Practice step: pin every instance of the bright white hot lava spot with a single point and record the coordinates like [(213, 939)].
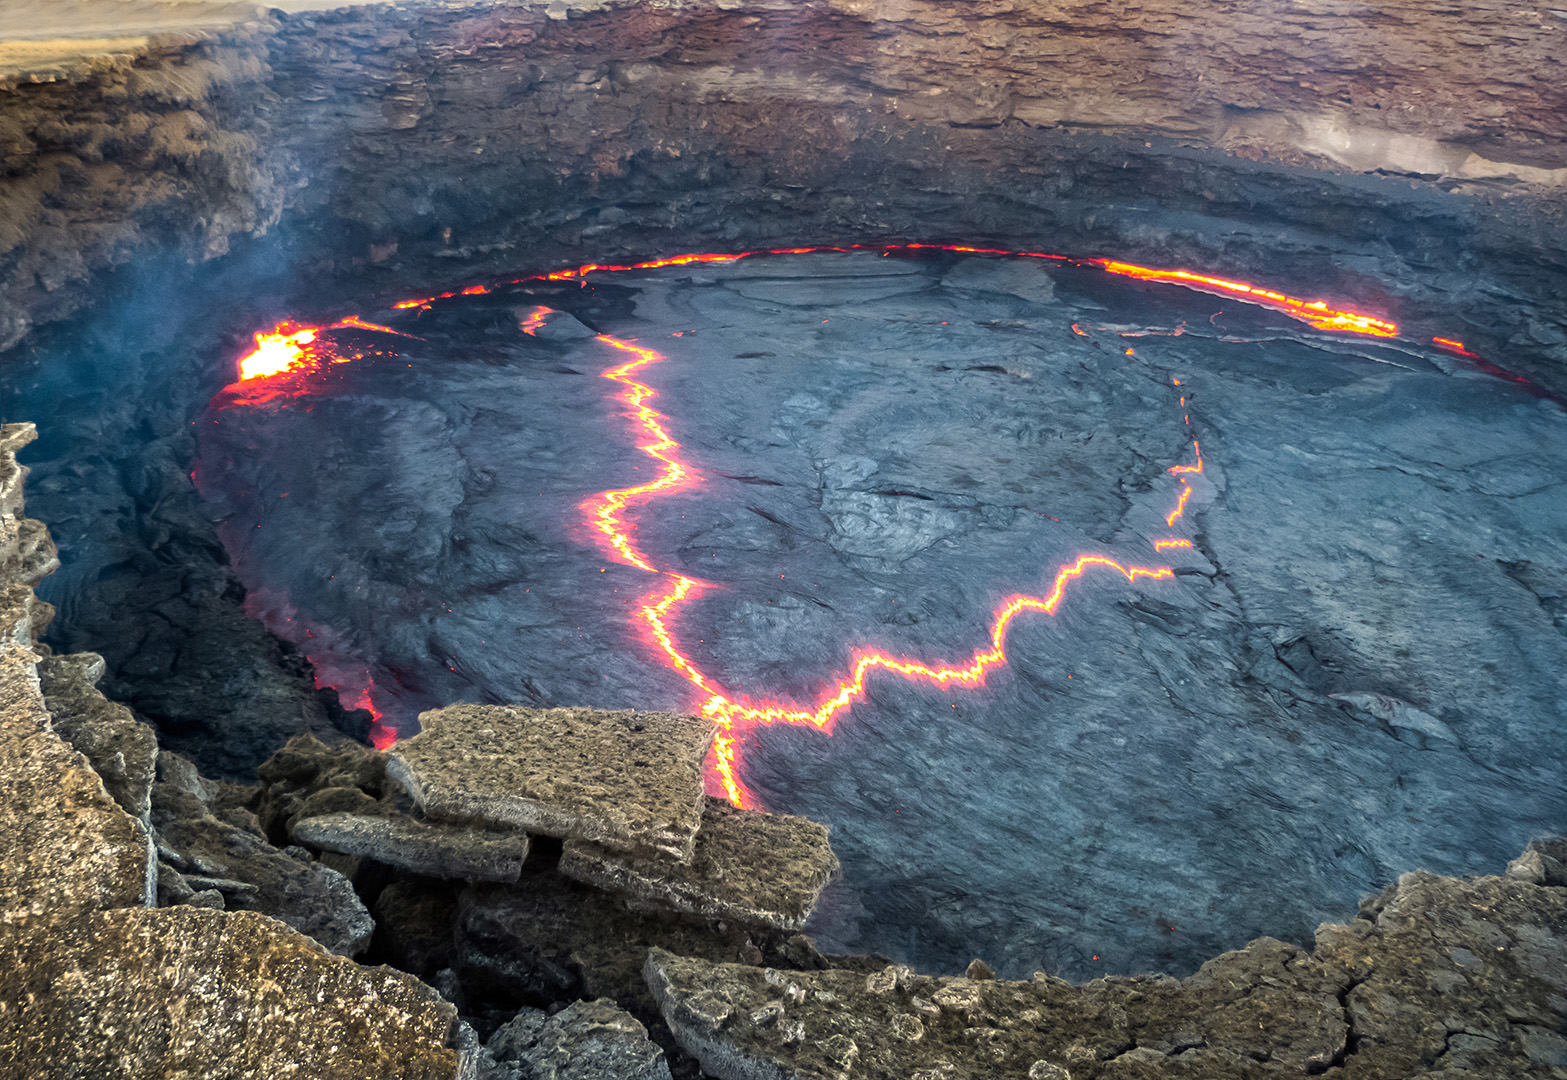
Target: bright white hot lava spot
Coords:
[(1112, 616)]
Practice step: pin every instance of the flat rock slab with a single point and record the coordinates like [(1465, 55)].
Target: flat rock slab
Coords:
[(628, 780), (187, 992), (754, 868), (452, 852)]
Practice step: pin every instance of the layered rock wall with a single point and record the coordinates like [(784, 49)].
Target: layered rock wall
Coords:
[(1396, 148)]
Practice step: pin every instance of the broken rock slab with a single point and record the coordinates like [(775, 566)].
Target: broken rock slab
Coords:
[(1459, 978), (749, 867), (452, 852), (142, 994), (627, 780), (587, 1040), (204, 854), (122, 750)]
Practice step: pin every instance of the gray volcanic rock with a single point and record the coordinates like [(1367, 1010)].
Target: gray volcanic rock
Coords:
[(123, 750), (1439, 976), (308, 777), (550, 938), (142, 995), (434, 850), (211, 854), (615, 777), (1026, 281), (754, 868), (587, 1040)]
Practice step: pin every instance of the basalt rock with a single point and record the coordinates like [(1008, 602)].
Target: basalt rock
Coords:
[(748, 867), (1459, 978), (65, 846), (549, 938), (205, 854), (92, 983), (587, 1040), (308, 777), (629, 780)]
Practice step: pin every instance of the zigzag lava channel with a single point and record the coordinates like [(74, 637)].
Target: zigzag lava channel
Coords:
[(733, 712), (291, 348)]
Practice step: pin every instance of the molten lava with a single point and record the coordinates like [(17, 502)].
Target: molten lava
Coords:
[(290, 350), (1313, 312)]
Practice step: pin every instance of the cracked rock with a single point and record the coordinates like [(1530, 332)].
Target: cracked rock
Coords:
[(753, 868), (438, 851), (123, 751), (587, 1040), (629, 780)]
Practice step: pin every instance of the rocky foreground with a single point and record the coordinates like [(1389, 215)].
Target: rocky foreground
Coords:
[(555, 882)]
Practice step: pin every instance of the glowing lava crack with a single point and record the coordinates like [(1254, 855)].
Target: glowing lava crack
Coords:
[(284, 359), (734, 712)]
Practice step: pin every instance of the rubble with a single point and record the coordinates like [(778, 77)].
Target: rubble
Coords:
[(587, 1040), (1463, 978)]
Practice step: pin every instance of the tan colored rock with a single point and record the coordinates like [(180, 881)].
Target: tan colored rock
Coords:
[(146, 995), (628, 780), (122, 750), (753, 868), (65, 847), (433, 850), (1468, 973)]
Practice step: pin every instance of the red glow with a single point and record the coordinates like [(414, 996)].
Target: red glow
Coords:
[(1196, 449), (1314, 312), (291, 349), (1457, 348)]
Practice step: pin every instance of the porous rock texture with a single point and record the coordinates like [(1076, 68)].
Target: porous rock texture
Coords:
[(210, 843), (631, 780), (122, 750), (92, 982), (753, 868), (587, 1040), (439, 851), (1458, 978), (186, 992)]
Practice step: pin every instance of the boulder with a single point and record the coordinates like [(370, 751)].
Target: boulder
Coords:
[(587, 1040), (627, 780), (122, 750), (432, 850), (753, 868)]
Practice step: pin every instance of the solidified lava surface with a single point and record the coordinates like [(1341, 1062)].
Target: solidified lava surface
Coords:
[(1344, 657)]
